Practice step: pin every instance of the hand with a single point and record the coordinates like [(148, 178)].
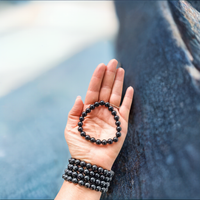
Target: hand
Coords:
[(106, 84)]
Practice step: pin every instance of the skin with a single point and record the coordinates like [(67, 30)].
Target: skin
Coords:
[(106, 84)]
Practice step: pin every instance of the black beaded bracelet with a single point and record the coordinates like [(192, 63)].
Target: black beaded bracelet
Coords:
[(98, 141), (90, 176)]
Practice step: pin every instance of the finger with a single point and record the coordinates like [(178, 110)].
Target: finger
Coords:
[(75, 112), (95, 84), (108, 80), (116, 93), (126, 104)]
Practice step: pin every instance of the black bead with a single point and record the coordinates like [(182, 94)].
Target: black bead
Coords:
[(87, 137), (80, 169), (92, 173), (105, 172), (88, 165), (102, 102), (110, 178), (81, 183), (83, 134), (84, 114), (107, 179), (92, 107), (87, 110), (100, 170), (71, 160), (80, 129), (109, 174), (97, 175), (110, 108), (104, 142), (75, 168), (107, 104), (115, 139), (117, 123), (80, 176), (118, 134), (116, 117), (92, 180), (118, 128), (106, 190), (86, 171), (81, 118), (109, 141), (103, 183), (114, 112), (103, 189), (66, 171), (77, 162), (74, 174), (69, 178), (93, 187), (102, 177), (74, 180), (87, 185), (64, 177), (107, 184), (98, 188), (98, 141), (94, 167), (70, 166), (82, 163), (96, 104), (69, 173), (86, 178), (112, 173), (80, 124), (98, 182), (93, 140)]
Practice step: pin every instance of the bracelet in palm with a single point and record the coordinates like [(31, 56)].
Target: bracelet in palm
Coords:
[(92, 139)]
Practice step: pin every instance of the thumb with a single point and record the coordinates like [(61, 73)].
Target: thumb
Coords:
[(75, 112)]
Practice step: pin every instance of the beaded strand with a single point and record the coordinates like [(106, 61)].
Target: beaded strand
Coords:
[(98, 141), (88, 175)]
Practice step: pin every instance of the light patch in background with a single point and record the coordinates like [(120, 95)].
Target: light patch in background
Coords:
[(37, 36), (193, 72)]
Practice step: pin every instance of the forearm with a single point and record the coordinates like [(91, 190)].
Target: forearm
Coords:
[(71, 191), (105, 89)]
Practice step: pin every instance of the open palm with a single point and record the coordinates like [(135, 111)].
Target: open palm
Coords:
[(106, 84)]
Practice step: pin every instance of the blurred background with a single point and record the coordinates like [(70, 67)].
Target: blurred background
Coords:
[(48, 52)]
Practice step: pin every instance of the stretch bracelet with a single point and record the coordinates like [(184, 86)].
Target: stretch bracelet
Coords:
[(98, 141), (88, 175)]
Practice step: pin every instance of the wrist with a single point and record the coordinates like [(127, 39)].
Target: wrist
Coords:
[(100, 160), (74, 191), (87, 175)]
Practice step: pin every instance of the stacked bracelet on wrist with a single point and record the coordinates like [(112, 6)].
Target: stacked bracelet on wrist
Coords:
[(90, 176)]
